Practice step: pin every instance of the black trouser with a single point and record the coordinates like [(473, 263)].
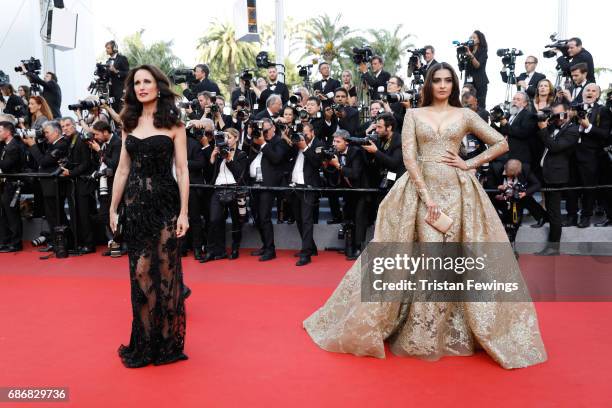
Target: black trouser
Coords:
[(195, 217), (355, 212), (81, 213), (218, 215), (303, 205), (104, 214), (481, 94), (534, 208), (52, 211), (333, 198), (553, 208), (11, 228), (207, 194), (261, 206), (583, 171)]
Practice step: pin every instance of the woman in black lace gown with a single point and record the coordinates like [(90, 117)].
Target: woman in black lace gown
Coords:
[(156, 216)]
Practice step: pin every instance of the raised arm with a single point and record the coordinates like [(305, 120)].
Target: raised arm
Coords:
[(409, 153), (496, 142)]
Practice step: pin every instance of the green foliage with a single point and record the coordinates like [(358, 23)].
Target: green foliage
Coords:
[(159, 53), (390, 45)]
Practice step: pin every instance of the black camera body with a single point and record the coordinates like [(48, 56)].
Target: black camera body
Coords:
[(36, 134), (512, 191), (32, 65), (508, 56), (397, 97), (304, 70), (497, 113), (462, 49), (262, 60), (560, 45), (363, 141), (90, 104), (326, 153), (183, 75), (362, 55), (581, 110), (544, 115)]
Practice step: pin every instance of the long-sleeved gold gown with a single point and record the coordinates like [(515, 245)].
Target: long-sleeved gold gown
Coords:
[(508, 331)]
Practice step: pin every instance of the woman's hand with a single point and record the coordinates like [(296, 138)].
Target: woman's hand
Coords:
[(114, 219), (453, 159), (433, 212), (182, 225)]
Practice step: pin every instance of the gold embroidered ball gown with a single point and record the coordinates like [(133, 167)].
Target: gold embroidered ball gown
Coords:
[(507, 331)]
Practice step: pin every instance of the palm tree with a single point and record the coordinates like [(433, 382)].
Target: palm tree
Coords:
[(390, 45), (224, 55), (159, 53)]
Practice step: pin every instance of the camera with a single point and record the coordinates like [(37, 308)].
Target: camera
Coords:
[(337, 107), (32, 65), (296, 137), (413, 62), (90, 104), (508, 56), (262, 60), (303, 114), (304, 70), (294, 100), (362, 55), (326, 153), (544, 115), (193, 104), (462, 49), (182, 75), (4, 78), (581, 110), (107, 172), (256, 127), (363, 141), (396, 97), (513, 190), (37, 134), (87, 136), (497, 113), (560, 45), (247, 76)]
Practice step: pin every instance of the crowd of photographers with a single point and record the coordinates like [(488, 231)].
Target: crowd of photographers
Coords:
[(286, 145)]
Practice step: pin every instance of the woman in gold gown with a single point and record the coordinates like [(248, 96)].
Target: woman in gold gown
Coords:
[(437, 179)]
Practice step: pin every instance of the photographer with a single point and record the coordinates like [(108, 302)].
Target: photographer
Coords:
[(369, 126), (516, 184), (377, 80), (430, 59), (520, 128), (274, 104), (579, 82), (348, 167), (593, 120), (325, 88), (108, 148), (266, 159), (347, 117), (51, 90), (13, 104), (395, 85), (323, 125), (118, 67), (80, 162), (275, 87), (385, 155), (229, 165), (476, 70), (210, 110), (49, 162), (247, 90), (202, 84), (528, 80), (574, 54), (95, 114), (196, 163), (12, 160), (305, 165), (560, 137)]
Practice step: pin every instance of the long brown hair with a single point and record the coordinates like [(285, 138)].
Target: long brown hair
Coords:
[(427, 91), (551, 94), (167, 114), (45, 110)]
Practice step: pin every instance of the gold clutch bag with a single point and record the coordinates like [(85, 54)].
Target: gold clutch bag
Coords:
[(442, 224)]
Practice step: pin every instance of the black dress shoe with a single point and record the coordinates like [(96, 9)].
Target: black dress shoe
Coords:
[(2, 246), (313, 253), (11, 248), (539, 224), (548, 251), (605, 223), (267, 256), (354, 255), (186, 291), (257, 252), (213, 257), (235, 254), (197, 254), (334, 221), (570, 222), (585, 222), (86, 249), (304, 260)]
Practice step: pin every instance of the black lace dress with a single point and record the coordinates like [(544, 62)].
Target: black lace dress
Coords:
[(152, 206)]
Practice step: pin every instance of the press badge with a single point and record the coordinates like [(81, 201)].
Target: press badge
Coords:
[(391, 176), (469, 79)]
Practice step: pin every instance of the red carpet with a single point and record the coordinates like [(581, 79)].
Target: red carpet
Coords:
[(62, 321)]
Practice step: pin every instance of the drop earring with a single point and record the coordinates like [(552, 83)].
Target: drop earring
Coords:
[(158, 94)]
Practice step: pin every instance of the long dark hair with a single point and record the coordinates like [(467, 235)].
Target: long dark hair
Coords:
[(167, 114), (482, 41), (427, 90)]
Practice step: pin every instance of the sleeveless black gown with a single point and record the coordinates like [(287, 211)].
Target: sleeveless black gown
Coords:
[(152, 206)]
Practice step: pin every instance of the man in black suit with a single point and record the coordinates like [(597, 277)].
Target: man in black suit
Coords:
[(519, 128), (274, 104), (349, 167), (560, 137), (108, 148), (80, 163), (49, 162), (266, 160), (575, 54), (369, 126), (528, 80), (346, 116), (119, 67), (325, 88), (202, 84), (396, 85), (12, 159), (274, 87), (579, 82), (594, 131), (377, 80), (430, 59), (51, 90), (196, 163), (323, 124), (305, 160)]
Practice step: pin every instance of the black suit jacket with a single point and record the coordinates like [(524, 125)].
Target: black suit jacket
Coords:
[(330, 86), (205, 85), (312, 163), (48, 163), (323, 131), (532, 86), (15, 106), (495, 177), (520, 132), (600, 119), (12, 160), (273, 160), (117, 79), (51, 92), (425, 68), (82, 163), (279, 89), (196, 161), (237, 166), (208, 169), (374, 82), (350, 121), (566, 62), (389, 158), (353, 173), (479, 75), (556, 168), (111, 154)]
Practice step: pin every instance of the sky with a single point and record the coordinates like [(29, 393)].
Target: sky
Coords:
[(525, 25)]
